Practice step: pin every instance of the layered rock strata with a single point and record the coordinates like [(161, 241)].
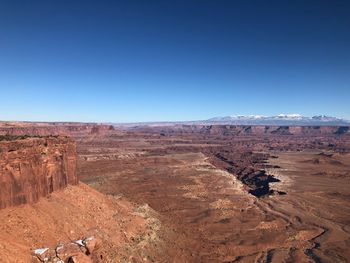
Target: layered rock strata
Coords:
[(35, 167), (47, 129)]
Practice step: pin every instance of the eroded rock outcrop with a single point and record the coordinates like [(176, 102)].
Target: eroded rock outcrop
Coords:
[(52, 128), (78, 251), (248, 167), (246, 130), (34, 167)]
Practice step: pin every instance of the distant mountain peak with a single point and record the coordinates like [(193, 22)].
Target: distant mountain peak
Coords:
[(290, 116), (280, 119)]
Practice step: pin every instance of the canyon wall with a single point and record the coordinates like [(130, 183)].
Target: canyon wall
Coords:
[(45, 129), (239, 130), (78, 130), (34, 167)]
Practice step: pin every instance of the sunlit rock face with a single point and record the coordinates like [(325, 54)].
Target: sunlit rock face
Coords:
[(47, 129), (35, 167)]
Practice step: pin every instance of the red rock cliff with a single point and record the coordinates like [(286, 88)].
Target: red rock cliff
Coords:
[(46, 129), (35, 167)]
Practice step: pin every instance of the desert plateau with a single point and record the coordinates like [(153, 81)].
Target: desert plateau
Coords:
[(182, 193)]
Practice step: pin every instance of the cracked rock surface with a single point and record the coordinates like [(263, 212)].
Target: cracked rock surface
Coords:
[(78, 251)]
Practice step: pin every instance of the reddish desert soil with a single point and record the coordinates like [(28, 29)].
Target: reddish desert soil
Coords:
[(206, 199), (128, 232)]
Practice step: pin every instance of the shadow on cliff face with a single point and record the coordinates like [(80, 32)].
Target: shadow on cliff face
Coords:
[(342, 130), (248, 171)]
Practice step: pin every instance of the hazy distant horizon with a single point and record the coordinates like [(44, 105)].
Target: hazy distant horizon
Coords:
[(159, 121)]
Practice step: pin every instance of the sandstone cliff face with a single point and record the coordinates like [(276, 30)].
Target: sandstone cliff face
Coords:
[(35, 167), (242, 130), (46, 129)]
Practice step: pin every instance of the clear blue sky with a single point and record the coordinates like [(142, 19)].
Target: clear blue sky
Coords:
[(123, 61)]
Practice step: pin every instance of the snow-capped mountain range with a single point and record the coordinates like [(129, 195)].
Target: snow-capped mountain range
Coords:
[(281, 119)]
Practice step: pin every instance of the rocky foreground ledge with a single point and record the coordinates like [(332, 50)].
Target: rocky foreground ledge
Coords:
[(78, 251)]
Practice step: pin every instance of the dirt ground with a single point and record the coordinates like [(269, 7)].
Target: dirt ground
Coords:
[(128, 232), (211, 213)]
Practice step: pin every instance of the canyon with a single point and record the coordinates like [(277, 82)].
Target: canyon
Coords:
[(176, 193)]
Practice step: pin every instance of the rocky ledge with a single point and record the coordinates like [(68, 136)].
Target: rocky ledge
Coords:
[(78, 251)]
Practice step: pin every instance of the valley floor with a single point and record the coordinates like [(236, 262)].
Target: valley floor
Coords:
[(211, 214)]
